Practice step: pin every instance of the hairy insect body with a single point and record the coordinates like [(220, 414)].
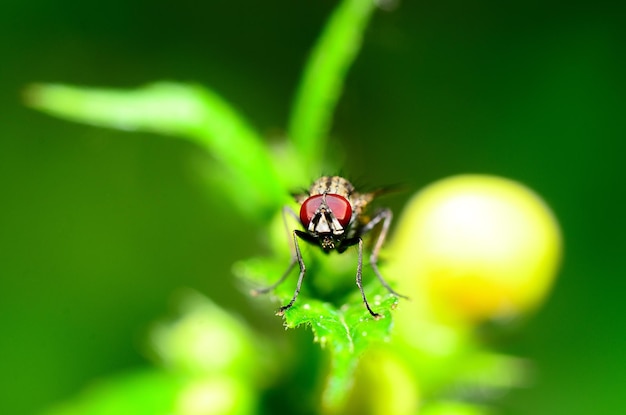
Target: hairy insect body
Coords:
[(332, 214)]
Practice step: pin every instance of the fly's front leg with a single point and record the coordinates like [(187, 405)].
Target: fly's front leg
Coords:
[(385, 216), (359, 283), (281, 311), (264, 290)]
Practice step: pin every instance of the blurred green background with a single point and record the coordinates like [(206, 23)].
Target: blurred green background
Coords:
[(98, 228)]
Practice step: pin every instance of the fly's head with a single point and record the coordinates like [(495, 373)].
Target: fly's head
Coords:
[(332, 211), (327, 218)]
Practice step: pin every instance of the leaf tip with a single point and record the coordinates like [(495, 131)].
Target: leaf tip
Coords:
[(31, 94)]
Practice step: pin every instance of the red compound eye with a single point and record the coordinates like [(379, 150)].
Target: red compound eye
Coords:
[(337, 204)]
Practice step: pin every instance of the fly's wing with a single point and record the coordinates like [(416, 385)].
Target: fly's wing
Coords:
[(363, 200)]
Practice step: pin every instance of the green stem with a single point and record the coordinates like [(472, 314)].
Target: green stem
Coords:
[(245, 164), (324, 74), (339, 381)]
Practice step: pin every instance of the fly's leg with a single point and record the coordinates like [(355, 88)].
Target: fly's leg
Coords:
[(281, 311), (359, 283), (385, 216), (264, 290)]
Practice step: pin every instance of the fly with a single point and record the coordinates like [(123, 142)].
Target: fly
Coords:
[(332, 214)]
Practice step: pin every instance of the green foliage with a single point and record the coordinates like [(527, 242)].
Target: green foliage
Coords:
[(187, 111), (348, 331), (336, 315), (205, 365), (323, 78), (208, 362), (201, 115), (144, 392)]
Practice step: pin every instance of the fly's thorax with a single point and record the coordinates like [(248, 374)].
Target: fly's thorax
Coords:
[(333, 185), (359, 202)]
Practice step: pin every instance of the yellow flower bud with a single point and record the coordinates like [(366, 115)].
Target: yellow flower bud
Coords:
[(476, 247)]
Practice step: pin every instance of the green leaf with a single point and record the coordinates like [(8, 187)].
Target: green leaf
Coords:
[(345, 328), (187, 111), (485, 373), (211, 363), (206, 340), (146, 392), (347, 331), (156, 392), (323, 78), (454, 408)]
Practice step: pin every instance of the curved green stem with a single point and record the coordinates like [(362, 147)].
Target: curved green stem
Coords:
[(324, 74)]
